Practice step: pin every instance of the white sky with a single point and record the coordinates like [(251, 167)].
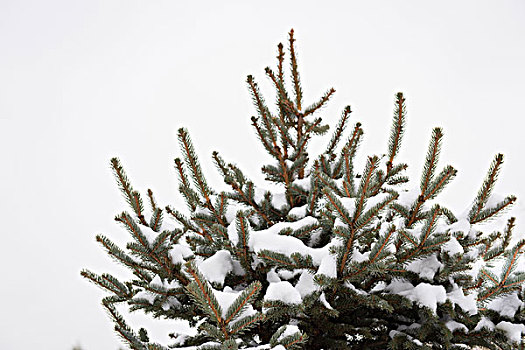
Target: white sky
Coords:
[(82, 81)]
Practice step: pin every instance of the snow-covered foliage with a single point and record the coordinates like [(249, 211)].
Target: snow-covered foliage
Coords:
[(330, 258)]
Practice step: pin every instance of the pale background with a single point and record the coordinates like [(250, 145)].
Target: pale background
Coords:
[(82, 81)]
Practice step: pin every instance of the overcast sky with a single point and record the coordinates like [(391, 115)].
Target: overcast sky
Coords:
[(82, 81)]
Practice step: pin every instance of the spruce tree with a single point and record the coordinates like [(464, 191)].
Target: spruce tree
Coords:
[(331, 257)]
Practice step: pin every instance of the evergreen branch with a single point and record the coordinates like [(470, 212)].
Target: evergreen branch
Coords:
[(133, 228), (319, 104), (118, 254), (283, 132), (508, 232), (247, 322), (347, 250), (152, 200), (338, 132), (295, 71), (364, 219), (156, 220), (196, 172), (486, 187), (280, 60), (132, 196), (510, 265), (354, 140), (244, 236), (107, 282), (262, 109), (431, 159), (181, 173), (343, 214), (397, 130), (427, 230), (328, 183), (302, 141), (146, 255), (251, 202), (188, 225), (375, 252), (381, 244), (492, 212), (203, 294), (122, 328), (191, 197), (284, 100), (293, 341), (221, 166), (430, 224), (408, 237), (246, 297), (489, 275), (446, 175), (160, 240), (399, 209), (296, 261), (262, 137), (314, 182), (364, 186)]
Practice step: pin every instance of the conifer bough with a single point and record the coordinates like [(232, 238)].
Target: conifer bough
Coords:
[(334, 258)]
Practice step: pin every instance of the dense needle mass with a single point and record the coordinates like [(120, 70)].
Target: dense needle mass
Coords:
[(328, 257)]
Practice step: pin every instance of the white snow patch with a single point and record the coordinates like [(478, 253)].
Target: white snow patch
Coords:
[(232, 209), (328, 266), (485, 322), (323, 300), (306, 284), (149, 233), (172, 301), (398, 285), (216, 267), (278, 198), (156, 281), (298, 212), (372, 201), (289, 330), (272, 276), (283, 291), (233, 236), (150, 297), (271, 239), (381, 285), (466, 302), (304, 183), (453, 325), (287, 274), (202, 210), (394, 333), (462, 225), (452, 247), (407, 198), (506, 305), (227, 297), (426, 267), (352, 287), (348, 203), (357, 256), (423, 294), (514, 331), (179, 252)]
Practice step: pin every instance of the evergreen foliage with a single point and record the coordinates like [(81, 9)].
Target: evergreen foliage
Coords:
[(336, 258)]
